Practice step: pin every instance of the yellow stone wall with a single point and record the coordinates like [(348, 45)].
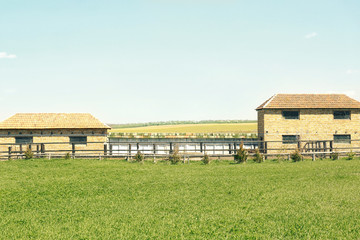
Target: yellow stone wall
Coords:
[(314, 124), (60, 140)]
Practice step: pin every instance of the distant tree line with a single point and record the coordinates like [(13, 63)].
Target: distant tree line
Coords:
[(134, 125)]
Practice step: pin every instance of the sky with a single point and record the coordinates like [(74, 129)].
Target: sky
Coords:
[(160, 60)]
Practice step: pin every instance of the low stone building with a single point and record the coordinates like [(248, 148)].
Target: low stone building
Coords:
[(311, 122), (57, 132)]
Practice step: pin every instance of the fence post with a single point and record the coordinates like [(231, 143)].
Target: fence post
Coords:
[(313, 156), (37, 150), (110, 149), (331, 146), (105, 150), (266, 149), (171, 148), (129, 149), (21, 150), (9, 152), (201, 147), (73, 149)]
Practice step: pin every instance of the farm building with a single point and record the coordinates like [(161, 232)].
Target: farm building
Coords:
[(53, 131), (311, 122)]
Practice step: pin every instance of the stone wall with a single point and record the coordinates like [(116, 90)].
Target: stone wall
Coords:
[(59, 139), (314, 124)]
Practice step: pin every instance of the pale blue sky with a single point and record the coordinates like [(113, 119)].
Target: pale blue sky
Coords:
[(158, 60)]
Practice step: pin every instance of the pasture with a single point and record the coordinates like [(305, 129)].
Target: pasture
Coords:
[(193, 128), (115, 199)]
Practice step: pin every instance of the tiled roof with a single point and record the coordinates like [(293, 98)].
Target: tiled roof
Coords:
[(52, 121), (301, 101)]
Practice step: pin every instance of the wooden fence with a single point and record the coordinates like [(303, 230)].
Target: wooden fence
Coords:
[(194, 149)]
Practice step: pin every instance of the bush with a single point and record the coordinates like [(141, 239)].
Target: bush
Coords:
[(350, 155), (205, 159), (241, 154), (258, 157), (67, 156), (175, 157), (29, 154), (139, 157), (296, 156), (334, 156)]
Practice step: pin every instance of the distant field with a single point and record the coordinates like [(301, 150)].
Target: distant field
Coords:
[(193, 128), (115, 199)]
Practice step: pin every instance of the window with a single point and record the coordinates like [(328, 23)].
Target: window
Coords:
[(342, 114), (291, 114), (78, 140), (342, 139), (290, 139), (23, 140)]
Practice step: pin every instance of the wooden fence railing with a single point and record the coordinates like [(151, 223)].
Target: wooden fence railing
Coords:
[(189, 150)]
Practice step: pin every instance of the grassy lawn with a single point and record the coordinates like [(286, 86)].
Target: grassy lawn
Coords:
[(193, 128), (113, 199)]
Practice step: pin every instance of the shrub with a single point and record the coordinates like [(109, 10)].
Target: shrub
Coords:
[(350, 155), (67, 156), (139, 157), (334, 156), (29, 154), (296, 156), (205, 159), (258, 157), (175, 157), (241, 154)]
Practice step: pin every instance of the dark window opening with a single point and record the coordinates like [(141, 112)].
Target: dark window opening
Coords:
[(23, 140), (291, 114), (342, 138), (290, 139), (78, 140), (342, 114)]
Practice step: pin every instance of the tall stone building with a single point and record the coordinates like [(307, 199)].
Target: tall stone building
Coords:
[(60, 131), (319, 121)]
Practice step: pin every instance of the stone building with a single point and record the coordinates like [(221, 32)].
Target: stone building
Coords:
[(311, 122), (53, 131)]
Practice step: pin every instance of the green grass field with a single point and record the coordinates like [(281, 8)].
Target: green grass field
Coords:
[(193, 128), (114, 199)]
